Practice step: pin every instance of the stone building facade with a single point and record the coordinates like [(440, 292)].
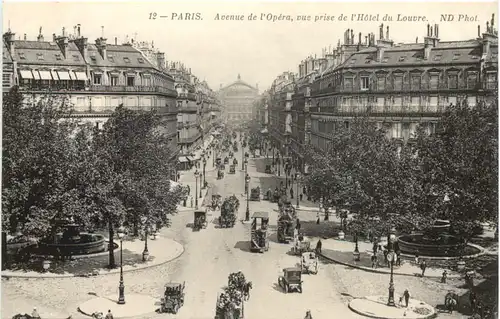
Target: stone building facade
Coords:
[(238, 98)]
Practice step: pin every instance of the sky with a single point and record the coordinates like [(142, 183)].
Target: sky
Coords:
[(259, 50)]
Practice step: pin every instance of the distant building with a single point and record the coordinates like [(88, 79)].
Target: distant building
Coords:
[(95, 77), (238, 98)]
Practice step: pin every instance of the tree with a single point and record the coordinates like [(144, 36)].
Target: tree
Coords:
[(459, 165), (37, 154)]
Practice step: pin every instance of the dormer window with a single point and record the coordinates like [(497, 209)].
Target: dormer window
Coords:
[(140, 60), (474, 57), (437, 57), (384, 60), (39, 56), (111, 58), (402, 58), (93, 57), (456, 56), (368, 60), (76, 58), (127, 60), (22, 56), (58, 57)]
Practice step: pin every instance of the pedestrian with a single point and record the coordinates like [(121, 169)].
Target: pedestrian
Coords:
[(444, 277), (178, 176), (291, 193), (109, 315), (374, 261), (417, 260), (189, 189), (423, 267), (304, 190), (191, 198), (375, 247), (34, 314), (386, 252), (398, 257), (308, 315), (298, 224), (319, 244), (317, 218), (406, 295)]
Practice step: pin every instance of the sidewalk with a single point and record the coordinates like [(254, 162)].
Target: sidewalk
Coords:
[(162, 250), (376, 307), (341, 252)]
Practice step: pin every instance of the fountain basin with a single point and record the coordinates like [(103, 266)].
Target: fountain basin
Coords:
[(443, 245), (85, 245)]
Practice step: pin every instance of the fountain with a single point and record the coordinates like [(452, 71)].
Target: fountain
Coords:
[(436, 242), (71, 241)]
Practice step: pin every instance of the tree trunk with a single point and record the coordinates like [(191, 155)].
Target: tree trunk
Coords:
[(4, 250), (111, 247)]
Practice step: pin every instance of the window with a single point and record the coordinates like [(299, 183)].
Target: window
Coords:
[(365, 83), (396, 130), (491, 80), (93, 58), (437, 57), (433, 103), (368, 60), (76, 58), (113, 80), (58, 57), (471, 101), (140, 60), (381, 83), (380, 104), (415, 103), (398, 102), (39, 56), (453, 81), (398, 82), (415, 82), (130, 80), (146, 81), (348, 84), (97, 79), (471, 80), (111, 58), (127, 60), (22, 56), (433, 81)]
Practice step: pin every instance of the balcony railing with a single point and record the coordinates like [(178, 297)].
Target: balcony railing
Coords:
[(132, 89)]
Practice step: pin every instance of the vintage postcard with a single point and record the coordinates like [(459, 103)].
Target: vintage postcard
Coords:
[(259, 160)]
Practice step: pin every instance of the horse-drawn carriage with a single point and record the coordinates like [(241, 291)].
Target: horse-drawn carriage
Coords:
[(220, 173), (309, 263), (200, 219), (228, 211), (232, 169), (226, 160), (302, 245), (235, 161), (216, 201), (451, 301), (255, 194), (268, 169), (173, 297), (291, 279), (231, 154)]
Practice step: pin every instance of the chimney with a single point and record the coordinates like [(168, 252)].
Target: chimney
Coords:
[(83, 47), (62, 42), (384, 42), (352, 36), (489, 36), (431, 40), (160, 57), (381, 30), (102, 47), (478, 31), (359, 41), (78, 33), (416, 40), (53, 37), (25, 37), (9, 39), (116, 41), (387, 33), (366, 40)]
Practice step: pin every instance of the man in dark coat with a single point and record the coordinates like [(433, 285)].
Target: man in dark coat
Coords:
[(406, 295)]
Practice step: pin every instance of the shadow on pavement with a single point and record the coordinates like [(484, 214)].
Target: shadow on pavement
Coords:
[(278, 288), (325, 229), (243, 245)]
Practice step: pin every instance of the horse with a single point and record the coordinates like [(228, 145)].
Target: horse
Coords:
[(246, 290), (451, 301)]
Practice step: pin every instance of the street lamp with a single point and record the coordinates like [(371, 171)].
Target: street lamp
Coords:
[(121, 286), (145, 253), (391, 258), (201, 175), (196, 174), (247, 212), (204, 166), (297, 176), (279, 168)]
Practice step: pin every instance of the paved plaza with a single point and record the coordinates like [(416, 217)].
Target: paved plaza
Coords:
[(208, 258)]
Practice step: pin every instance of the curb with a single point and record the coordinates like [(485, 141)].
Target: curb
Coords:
[(111, 272), (381, 271), (434, 315)]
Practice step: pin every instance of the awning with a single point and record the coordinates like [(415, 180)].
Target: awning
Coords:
[(26, 74), (63, 75), (54, 75), (81, 76), (45, 75), (36, 75), (183, 159), (189, 158)]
